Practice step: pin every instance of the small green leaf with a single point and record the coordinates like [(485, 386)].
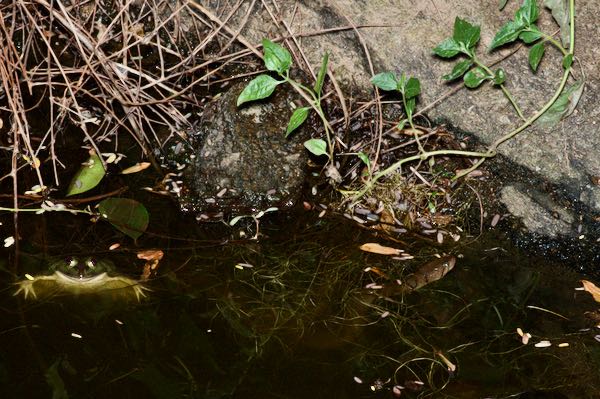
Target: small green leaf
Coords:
[(412, 88), (507, 33), (567, 61), (531, 35), (499, 76), (563, 106), (297, 119), (448, 48), (365, 159), (317, 147), (385, 81), (459, 70), (528, 13), (276, 58), (260, 87), (126, 215), (536, 53), (561, 14), (475, 77), (466, 33), (321, 76), (88, 176)]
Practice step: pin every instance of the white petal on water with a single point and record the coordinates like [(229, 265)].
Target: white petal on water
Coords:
[(543, 344), (8, 241)]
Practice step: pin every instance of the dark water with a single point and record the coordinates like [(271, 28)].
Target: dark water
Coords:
[(298, 323)]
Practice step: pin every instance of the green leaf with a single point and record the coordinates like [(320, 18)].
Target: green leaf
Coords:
[(563, 106), (412, 88), (448, 48), (499, 76), (317, 147), (321, 76), (459, 70), (126, 215), (365, 159), (560, 13), (507, 33), (528, 13), (475, 77), (88, 176), (530, 35), (297, 119), (385, 81), (276, 58), (536, 53), (567, 61), (466, 33), (260, 87)]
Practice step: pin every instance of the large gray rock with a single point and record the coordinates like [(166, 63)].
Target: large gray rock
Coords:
[(242, 162), (565, 157)]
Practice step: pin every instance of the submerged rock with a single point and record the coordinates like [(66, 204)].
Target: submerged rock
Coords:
[(242, 162)]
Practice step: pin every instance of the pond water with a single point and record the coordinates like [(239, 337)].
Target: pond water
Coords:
[(289, 317)]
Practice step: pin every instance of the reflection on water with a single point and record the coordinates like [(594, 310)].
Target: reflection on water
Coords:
[(289, 317)]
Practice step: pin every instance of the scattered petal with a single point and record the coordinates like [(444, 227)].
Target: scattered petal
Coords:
[(8, 241), (592, 289), (543, 344), (114, 246), (563, 344), (138, 167), (380, 249), (75, 335)]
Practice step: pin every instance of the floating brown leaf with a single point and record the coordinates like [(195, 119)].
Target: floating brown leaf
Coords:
[(380, 249), (138, 167), (592, 289)]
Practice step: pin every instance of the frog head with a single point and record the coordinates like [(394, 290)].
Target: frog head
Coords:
[(81, 268)]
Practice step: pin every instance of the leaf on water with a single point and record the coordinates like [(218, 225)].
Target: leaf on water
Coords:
[(466, 33), (317, 147), (560, 12), (592, 289), (507, 33), (563, 106), (475, 77), (276, 57), (126, 215), (321, 76), (448, 48), (297, 119), (138, 167), (459, 70), (536, 53), (260, 87), (88, 176), (385, 81), (380, 249)]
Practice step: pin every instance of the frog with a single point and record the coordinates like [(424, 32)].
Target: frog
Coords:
[(80, 276)]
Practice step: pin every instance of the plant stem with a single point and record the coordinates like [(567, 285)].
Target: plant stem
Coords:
[(555, 43), (502, 87)]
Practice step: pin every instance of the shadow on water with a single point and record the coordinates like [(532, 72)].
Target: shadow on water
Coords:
[(290, 317)]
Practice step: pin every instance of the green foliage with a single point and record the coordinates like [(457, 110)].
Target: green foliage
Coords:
[(536, 53), (89, 175), (126, 215), (260, 87), (277, 59), (563, 106), (460, 68), (297, 119), (317, 147), (408, 87), (560, 13), (475, 77)]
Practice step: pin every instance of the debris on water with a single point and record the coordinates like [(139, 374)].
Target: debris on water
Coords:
[(358, 380), (380, 249), (495, 220), (543, 344)]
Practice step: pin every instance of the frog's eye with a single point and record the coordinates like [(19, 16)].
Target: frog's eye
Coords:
[(91, 263), (71, 261)]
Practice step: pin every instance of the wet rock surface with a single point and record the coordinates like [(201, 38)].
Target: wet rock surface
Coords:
[(241, 160), (400, 35)]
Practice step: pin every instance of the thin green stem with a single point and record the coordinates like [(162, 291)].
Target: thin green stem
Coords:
[(502, 87), (555, 43)]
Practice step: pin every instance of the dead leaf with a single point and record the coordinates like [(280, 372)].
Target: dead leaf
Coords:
[(592, 289), (138, 167), (380, 249), (152, 257)]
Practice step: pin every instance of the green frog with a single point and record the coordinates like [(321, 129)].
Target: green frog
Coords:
[(80, 276)]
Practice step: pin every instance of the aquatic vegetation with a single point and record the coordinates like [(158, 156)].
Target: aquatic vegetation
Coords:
[(80, 277)]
